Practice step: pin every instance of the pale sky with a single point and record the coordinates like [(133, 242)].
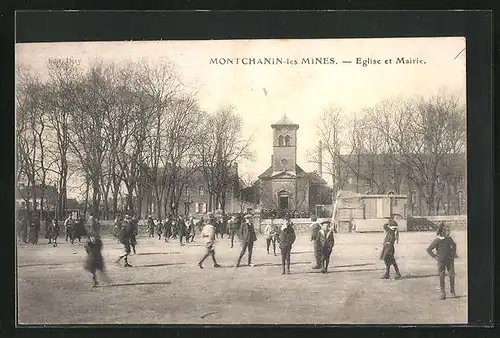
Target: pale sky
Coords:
[(263, 93)]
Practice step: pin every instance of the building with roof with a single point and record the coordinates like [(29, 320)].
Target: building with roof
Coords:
[(285, 186)]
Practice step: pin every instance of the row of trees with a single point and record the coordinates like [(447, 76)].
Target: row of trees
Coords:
[(124, 130), (418, 143)]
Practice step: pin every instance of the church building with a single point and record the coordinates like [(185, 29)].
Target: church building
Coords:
[(285, 185)]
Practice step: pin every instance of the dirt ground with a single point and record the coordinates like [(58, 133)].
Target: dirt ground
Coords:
[(165, 285)]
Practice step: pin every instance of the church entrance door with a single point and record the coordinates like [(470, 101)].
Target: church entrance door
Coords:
[(283, 202)]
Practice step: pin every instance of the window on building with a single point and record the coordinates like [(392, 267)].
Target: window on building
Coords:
[(187, 191), (350, 180), (201, 190), (288, 140), (281, 140), (203, 208), (197, 208)]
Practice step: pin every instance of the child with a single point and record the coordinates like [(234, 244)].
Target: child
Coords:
[(388, 251), (326, 243), (287, 237), (159, 229), (54, 231), (446, 252), (271, 234), (94, 260), (125, 238)]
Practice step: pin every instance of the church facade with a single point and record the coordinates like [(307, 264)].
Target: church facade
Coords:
[(285, 185)]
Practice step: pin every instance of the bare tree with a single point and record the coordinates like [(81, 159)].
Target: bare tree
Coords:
[(424, 133), (92, 102), (222, 147)]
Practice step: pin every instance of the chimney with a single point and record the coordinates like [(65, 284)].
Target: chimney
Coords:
[(320, 159)]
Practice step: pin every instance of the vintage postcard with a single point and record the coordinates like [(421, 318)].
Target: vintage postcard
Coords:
[(316, 181)]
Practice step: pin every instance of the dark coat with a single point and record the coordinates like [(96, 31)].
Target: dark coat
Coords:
[(181, 226), (287, 237), (94, 260), (388, 245), (247, 233), (326, 240), (127, 232)]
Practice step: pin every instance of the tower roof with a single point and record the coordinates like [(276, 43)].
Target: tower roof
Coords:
[(285, 121)]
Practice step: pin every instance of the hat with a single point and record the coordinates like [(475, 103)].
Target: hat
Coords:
[(393, 225), (247, 216), (326, 222), (314, 218)]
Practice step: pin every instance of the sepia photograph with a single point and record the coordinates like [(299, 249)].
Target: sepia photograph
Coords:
[(265, 181)]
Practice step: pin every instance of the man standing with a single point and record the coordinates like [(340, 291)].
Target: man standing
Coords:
[(181, 226), (315, 227), (151, 226), (208, 233), (69, 224), (191, 231), (388, 251), (233, 228), (248, 237), (326, 242), (287, 238)]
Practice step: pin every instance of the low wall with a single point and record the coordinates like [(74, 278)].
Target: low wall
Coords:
[(299, 224), (431, 223), (377, 225)]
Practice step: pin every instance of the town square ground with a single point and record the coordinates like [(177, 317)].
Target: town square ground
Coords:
[(165, 285)]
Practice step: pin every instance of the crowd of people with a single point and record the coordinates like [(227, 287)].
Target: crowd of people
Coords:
[(283, 214), (277, 232)]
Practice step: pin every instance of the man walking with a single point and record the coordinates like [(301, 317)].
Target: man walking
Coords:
[(208, 233), (248, 237)]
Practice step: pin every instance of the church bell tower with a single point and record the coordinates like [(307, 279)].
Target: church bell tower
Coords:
[(284, 146)]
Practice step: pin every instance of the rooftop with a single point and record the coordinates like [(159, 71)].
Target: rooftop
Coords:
[(284, 121)]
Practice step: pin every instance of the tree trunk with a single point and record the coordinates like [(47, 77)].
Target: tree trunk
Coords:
[(115, 203), (158, 208), (86, 197), (96, 198)]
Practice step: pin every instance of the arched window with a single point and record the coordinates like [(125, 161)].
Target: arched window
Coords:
[(391, 193), (281, 140), (288, 140), (201, 190)]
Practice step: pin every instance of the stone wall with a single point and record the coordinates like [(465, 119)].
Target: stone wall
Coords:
[(430, 223)]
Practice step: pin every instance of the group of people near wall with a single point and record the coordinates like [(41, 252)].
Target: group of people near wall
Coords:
[(276, 233)]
